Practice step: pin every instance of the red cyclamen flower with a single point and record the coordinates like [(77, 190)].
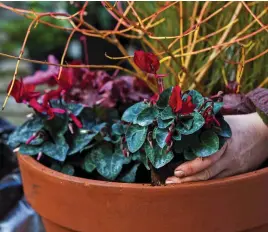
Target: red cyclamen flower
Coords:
[(146, 61), (76, 121), (210, 118), (187, 106), (66, 80), (154, 98), (45, 108), (175, 100), (22, 92), (52, 94), (178, 105)]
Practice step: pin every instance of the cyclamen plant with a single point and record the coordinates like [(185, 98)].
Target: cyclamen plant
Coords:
[(170, 127)]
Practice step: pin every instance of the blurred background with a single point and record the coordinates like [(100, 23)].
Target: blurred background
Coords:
[(45, 41)]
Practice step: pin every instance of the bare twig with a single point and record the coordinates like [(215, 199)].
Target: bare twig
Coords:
[(188, 58), (70, 65), (70, 37), (240, 68), (216, 52), (18, 60), (254, 16), (265, 82)]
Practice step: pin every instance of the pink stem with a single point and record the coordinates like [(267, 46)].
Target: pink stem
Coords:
[(39, 156), (160, 84), (114, 15), (83, 39), (31, 138), (119, 7)]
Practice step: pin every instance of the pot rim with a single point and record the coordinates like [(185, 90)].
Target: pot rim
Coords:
[(87, 182)]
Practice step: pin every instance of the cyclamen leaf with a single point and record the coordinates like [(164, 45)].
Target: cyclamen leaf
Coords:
[(217, 107), (209, 144), (188, 123), (88, 164), (130, 176), (113, 139), (198, 122), (189, 155), (135, 137), (25, 131), (68, 169), (55, 166), (160, 136), (141, 157), (29, 149), (75, 108), (225, 129), (158, 157), (79, 141), (88, 118), (164, 123), (187, 141), (147, 116), (108, 115), (154, 132), (57, 150), (167, 113), (117, 129), (164, 98), (197, 98), (58, 125), (38, 140), (177, 136), (99, 127), (47, 148), (131, 114), (109, 164)]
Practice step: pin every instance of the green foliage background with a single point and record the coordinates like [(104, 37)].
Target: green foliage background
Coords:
[(254, 73)]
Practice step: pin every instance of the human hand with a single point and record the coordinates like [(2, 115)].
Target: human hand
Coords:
[(245, 151)]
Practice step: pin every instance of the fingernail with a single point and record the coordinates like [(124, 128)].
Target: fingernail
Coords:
[(169, 182), (179, 173)]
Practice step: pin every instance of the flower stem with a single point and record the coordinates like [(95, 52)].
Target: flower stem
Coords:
[(160, 84), (155, 178)]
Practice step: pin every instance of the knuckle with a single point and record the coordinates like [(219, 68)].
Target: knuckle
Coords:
[(189, 169), (206, 175)]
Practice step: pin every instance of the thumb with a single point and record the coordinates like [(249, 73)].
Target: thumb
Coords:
[(199, 164)]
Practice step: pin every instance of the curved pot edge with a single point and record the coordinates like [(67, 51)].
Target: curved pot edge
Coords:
[(209, 183)]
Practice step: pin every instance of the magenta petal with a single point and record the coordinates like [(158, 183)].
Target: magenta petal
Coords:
[(52, 94), (35, 105), (58, 110), (76, 120), (33, 94)]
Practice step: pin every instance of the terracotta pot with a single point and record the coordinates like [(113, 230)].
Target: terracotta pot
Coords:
[(68, 203)]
